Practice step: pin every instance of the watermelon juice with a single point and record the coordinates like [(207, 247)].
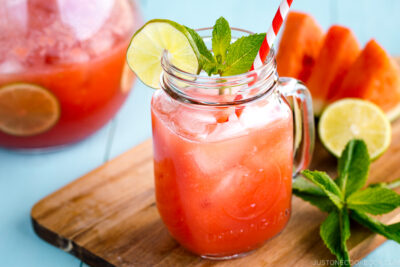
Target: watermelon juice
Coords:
[(222, 188), (223, 155), (73, 54)]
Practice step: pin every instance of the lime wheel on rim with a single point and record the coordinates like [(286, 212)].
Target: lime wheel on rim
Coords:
[(149, 43), (27, 109)]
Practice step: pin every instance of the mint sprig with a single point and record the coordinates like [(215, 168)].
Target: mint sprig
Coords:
[(353, 163), (335, 231), (343, 199), (390, 185), (207, 60), (327, 185), (225, 58), (310, 193), (221, 39), (241, 54), (374, 200), (391, 231)]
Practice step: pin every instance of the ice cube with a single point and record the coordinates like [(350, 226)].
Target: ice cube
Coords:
[(164, 104), (214, 158), (77, 55), (228, 130), (11, 66), (101, 43), (231, 179), (194, 124), (85, 17), (14, 13), (122, 21), (261, 114)]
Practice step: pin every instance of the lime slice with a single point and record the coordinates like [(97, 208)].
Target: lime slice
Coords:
[(350, 118), (27, 109), (148, 44)]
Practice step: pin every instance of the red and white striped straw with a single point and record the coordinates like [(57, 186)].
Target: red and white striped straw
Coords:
[(270, 37)]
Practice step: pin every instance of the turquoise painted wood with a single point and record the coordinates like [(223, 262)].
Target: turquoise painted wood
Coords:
[(26, 178)]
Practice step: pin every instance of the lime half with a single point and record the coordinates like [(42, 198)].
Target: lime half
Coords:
[(147, 47), (350, 118)]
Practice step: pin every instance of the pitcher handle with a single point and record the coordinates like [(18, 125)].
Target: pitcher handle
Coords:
[(299, 99)]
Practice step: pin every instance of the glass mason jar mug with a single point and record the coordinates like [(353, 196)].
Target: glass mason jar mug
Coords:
[(223, 155)]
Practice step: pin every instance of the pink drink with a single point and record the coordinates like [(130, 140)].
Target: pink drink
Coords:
[(76, 51), (222, 188), (224, 155)]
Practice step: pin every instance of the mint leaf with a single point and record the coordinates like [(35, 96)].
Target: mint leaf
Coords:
[(241, 54), (323, 203), (207, 60), (342, 198), (335, 231), (324, 182), (221, 39), (390, 185), (353, 167), (374, 200), (303, 185), (389, 231), (228, 59), (305, 190)]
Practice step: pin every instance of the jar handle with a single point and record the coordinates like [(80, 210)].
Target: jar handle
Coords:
[(299, 99)]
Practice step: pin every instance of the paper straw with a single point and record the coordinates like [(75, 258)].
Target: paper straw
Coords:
[(270, 37)]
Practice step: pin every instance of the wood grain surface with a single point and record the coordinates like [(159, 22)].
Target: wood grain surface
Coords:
[(109, 218)]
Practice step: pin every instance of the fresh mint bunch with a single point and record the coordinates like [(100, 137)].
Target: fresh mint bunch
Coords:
[(226, 58), (343, 199)]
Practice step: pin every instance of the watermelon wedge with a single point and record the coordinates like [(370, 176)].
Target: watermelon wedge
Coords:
[(374, 76), (299, 47), (339, 51)]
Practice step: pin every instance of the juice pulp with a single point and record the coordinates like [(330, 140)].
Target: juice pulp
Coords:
[(74, 49), (222, 188)]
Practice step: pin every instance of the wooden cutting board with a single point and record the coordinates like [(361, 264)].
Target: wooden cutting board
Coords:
[(109, 218)]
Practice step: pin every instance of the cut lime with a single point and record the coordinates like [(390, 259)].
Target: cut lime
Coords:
[(148, 44), (27, 109), (350, 118)]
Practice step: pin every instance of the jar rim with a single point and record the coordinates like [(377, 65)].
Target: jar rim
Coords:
[(268, 63), (218, 90)]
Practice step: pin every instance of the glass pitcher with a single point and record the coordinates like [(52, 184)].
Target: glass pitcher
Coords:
[(225, 152), (62, 68)]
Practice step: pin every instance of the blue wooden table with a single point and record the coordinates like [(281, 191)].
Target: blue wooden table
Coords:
[(26, 178)]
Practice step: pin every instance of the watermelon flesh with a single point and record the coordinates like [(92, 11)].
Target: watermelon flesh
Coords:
[(339, 51), (374, 76), (300, 44)]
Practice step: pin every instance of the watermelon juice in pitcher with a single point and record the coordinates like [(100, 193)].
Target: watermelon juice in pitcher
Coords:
[(62, 68)]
